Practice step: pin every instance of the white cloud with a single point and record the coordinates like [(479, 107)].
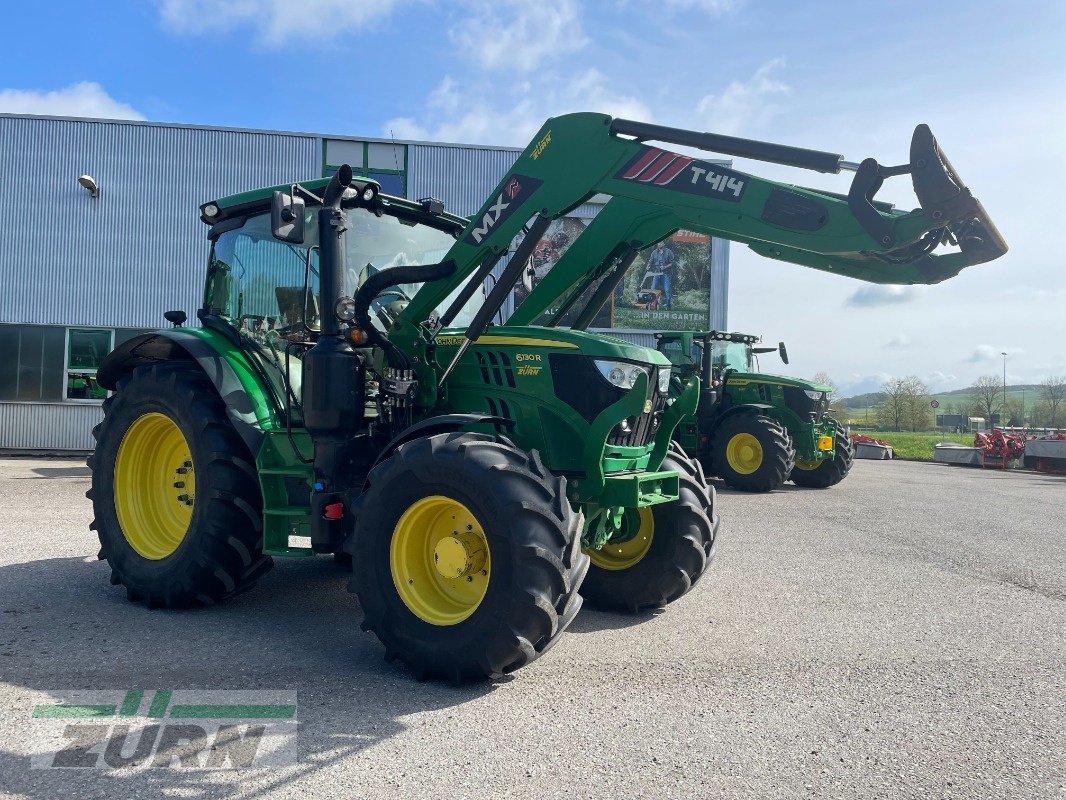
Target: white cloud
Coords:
[(86, 99), (986, 352), (940, 381), (275, 22), (516, 34), (902, 340), (743, 105), (454, 114), (878, 295)]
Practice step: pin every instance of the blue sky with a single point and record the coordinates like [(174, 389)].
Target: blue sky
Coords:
[(847, 77)]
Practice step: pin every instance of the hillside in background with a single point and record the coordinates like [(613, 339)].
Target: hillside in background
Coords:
[(1027, 393)]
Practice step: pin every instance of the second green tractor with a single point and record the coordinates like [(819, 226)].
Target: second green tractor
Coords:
[(755, 430)]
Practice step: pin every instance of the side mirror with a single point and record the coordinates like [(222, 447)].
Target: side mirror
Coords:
[(782, 351), (287, 217)]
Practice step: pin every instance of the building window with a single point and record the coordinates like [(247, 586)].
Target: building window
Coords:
[(86, 348), (31, 370), (50, 364), (383, 162)]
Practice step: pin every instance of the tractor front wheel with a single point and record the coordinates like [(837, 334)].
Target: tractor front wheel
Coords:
[(823, 474), (174, 491), (667, 547), (467, 556), (752, 453)]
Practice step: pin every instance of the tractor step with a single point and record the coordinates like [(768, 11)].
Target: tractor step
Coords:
[(283, 474)]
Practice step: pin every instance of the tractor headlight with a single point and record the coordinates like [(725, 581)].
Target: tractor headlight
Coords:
[(815, 396), (664, 379), (620, 373)]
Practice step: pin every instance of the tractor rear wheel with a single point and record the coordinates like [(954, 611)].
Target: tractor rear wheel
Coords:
[(823, 474), (670, 546), (467, 556), (174, 491), (752, 453)]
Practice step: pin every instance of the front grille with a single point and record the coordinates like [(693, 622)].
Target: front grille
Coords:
[(580, 385), (642, 427), (797, 400)]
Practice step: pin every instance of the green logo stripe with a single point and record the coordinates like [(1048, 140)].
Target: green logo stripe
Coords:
[(233, 712), (131, 703), (160, 701), (65, 712)]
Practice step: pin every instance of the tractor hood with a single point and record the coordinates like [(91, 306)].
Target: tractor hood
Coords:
[(741, 378), (539, 339)]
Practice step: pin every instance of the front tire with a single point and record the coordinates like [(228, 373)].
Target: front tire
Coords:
[(175, 491), (671, 547), (467, 556), (823, 474), (752, 453)]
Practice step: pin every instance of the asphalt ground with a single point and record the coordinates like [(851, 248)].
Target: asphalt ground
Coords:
[(900, 635)]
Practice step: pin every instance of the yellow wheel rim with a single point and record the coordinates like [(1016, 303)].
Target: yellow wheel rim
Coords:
[(440, 560), (743, 453), (807, 466), (154, 486), (625, 554)]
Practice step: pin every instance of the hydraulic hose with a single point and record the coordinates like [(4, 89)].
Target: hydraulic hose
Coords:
[(376, 284)]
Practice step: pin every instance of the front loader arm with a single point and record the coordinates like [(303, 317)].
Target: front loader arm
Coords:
[(577, 156)]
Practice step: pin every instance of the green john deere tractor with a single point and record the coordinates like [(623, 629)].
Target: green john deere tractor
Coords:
[(754, 430), (348, 392)]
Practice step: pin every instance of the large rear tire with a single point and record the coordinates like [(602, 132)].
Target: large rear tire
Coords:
[(672, 546), (751, 452), (823, 474), (175, 492), (467, 556)]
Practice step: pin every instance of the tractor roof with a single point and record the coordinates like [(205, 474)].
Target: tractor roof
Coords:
[(240, 204)]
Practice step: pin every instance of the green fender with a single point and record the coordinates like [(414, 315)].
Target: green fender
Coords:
[(238, 381)]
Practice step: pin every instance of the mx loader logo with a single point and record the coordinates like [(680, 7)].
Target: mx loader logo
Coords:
[(516, 190)]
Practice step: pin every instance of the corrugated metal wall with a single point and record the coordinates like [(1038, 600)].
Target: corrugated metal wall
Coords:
[(460, 176), (139, 248), (48, 426)]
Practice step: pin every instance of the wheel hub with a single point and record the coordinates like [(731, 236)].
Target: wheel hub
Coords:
[(440, 560), (459, 555), (744, 453)]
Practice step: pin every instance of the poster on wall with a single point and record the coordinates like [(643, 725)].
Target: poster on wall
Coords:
[(666, 288)]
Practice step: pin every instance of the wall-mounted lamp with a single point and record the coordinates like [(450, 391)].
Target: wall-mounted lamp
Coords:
[(89, 182)]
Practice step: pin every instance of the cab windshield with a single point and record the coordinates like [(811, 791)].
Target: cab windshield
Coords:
[(731, 355), (260, 283)]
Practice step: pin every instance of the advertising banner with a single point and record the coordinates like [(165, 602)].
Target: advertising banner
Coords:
[(666, 288)]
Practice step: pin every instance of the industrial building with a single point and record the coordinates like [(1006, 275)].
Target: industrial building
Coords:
[(101, 234)]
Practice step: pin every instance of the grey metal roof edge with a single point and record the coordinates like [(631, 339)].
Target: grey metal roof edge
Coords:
[(263, 131)]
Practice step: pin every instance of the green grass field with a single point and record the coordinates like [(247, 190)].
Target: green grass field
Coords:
[(917, 446)]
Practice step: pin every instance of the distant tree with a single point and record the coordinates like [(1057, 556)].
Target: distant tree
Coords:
[(987, 396), (838, 406), (905, 404), (823, 377), (1053, 393), (1013, 413), (1041, 416), (918, 414)]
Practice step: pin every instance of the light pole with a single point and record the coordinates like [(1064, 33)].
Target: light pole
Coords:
[(1003, 413)]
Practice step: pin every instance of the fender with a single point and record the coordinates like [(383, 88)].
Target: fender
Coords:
[(431, 426), (249, 404)]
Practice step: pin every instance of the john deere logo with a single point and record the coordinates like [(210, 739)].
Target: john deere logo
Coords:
[(164, 729)]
